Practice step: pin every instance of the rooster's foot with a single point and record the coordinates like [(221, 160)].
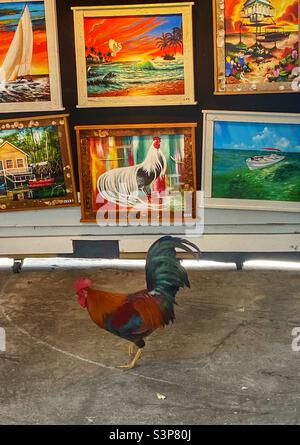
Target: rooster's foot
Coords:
[(130, 349), (134, 361)]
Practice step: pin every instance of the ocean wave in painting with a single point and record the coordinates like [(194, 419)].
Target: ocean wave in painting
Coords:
[(33, 90), (121, 75)]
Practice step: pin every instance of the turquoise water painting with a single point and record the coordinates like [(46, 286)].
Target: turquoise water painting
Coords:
[(258, 161)]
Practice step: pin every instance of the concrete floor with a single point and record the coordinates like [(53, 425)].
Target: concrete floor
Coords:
[(226, 360)]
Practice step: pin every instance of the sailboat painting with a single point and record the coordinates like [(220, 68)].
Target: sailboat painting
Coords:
[(17, 62), (257, 46), (25, 62)]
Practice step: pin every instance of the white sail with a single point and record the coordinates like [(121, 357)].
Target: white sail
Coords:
[(18, 59)]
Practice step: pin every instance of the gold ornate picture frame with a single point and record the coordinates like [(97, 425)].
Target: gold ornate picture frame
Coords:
[(36, 169), (134, 55), (256, 46), (148, 170)]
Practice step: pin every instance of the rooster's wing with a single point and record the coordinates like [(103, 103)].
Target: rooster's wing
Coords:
[(138, 317)]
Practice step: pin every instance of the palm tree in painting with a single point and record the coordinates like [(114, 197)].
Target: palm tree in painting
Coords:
[(108, 56), (163, 43), (177, 32), (100, 56), (175, 39)]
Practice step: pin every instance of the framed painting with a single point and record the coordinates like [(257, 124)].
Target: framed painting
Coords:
[(252, 161), (36, 170), (134, 55), (144, 170), (29, 56), (256, 46)]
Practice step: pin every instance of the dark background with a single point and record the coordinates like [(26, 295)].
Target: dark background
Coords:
[(204, 81)]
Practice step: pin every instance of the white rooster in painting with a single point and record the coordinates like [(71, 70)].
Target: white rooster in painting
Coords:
[(122, 185)]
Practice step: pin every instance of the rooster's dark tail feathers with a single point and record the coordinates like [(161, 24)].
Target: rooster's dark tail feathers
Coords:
[(164, 273)]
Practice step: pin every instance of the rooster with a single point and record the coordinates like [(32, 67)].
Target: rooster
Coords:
[(135, 316), (122, 185)]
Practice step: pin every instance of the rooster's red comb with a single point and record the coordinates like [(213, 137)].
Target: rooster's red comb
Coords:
[(156, 142), (82, 283)]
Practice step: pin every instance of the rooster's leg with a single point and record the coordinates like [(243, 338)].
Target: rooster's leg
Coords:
[(134, 361), (130, 349)]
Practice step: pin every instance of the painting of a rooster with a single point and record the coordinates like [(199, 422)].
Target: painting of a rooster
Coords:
[(122, 185), (136, 315), (137, 171)]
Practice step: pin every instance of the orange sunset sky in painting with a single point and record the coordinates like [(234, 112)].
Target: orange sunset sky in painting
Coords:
[(10, 13), (40, 55), (137, 34), (286, 14)]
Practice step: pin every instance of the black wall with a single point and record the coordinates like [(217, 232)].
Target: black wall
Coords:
[(204, 81)]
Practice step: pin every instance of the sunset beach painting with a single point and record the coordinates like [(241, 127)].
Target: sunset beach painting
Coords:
[(257, 46), (134, 55), (136, 58)]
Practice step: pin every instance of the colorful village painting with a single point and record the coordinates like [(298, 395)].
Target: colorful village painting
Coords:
[(134, 55), (261, 44), (24, 71), (31, 166), (259, 161)]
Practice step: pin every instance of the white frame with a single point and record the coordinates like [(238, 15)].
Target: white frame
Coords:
[(55, 104), (210, 117), (81, 12)]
